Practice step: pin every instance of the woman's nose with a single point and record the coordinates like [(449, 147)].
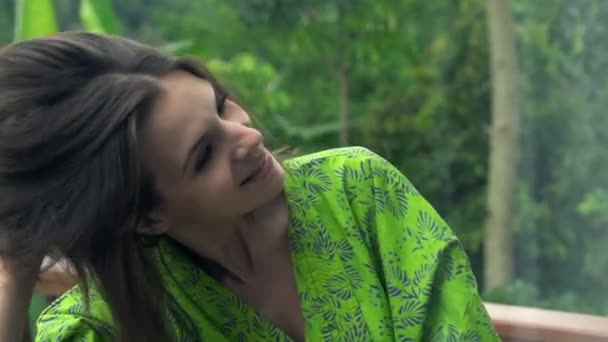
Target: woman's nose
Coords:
[(250, 141)]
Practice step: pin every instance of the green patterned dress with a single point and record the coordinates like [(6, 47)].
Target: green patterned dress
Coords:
[(373, 261)]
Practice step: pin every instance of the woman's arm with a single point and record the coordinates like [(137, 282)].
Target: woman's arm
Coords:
[(429, 283), (16, 286)]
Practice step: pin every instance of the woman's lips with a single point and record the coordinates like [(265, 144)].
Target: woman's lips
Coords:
[(261, 171)]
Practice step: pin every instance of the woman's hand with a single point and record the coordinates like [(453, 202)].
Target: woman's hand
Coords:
[(16, 285)]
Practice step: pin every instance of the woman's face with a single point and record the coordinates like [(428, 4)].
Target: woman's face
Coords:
[(210, 166)]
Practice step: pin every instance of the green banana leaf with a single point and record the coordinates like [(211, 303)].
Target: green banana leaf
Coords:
[(99, 16), (34, 18)]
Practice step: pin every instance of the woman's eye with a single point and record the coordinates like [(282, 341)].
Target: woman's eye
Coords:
[(203, 158), (220, 101)]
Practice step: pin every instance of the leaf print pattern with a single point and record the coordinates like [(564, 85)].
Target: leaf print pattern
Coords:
[(338, 285), (427, 224), (393, 200), (355, 277), (372, 260), (411, 313)]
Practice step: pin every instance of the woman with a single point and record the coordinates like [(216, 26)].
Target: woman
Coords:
[(141, 170)]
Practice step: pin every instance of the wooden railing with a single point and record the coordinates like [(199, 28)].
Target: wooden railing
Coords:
[(514, 323), (525, 324)]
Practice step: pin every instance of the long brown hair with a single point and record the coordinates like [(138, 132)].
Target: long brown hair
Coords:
[(71, 181)]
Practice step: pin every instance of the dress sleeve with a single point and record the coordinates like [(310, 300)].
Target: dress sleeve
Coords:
[(456, 311), (67, 319), (426, 274), (65, 327)]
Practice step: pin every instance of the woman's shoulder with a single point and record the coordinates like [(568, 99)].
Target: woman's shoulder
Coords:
[(347, 165), (70, 318), (337, 157), (332, 154)]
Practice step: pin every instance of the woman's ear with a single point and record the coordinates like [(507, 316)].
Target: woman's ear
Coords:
[(154, 223)]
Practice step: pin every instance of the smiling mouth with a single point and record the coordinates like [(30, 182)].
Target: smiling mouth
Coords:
[(256, 172)]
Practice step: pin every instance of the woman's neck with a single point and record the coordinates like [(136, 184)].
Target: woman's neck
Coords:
[(234, 246)]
